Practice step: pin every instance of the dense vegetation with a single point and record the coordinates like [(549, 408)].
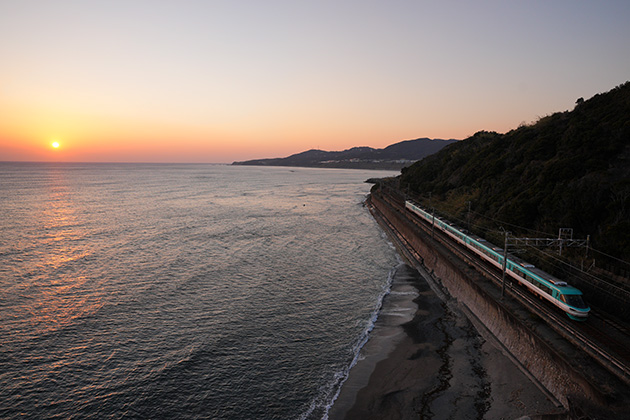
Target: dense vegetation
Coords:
[(570, 169)]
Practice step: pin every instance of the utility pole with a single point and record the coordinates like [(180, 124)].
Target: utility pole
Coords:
[(433, 224), (469, 216), (563, 234), (505, 247)]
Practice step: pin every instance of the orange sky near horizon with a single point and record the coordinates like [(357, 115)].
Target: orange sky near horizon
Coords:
[(27, 134), (223, 81)]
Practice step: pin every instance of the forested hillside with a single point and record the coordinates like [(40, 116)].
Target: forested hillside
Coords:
[(568, 170)]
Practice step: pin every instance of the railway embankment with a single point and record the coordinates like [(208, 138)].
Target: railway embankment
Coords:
[(570, 375)]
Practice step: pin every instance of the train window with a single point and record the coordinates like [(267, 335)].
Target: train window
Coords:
[(532, 280), (576, 301)]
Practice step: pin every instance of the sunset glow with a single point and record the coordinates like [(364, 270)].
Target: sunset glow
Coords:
[(55, 145), (225, 81)]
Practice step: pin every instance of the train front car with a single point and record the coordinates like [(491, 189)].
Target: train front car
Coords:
[(557, 292), (572, 302)]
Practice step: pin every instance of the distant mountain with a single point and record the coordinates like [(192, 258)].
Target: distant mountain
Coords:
[(395, 156)]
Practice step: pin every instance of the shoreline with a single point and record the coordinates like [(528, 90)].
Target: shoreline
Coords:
[(425, 358), (397, 308)]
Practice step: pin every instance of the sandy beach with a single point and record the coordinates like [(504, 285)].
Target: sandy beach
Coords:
[(426, 359)]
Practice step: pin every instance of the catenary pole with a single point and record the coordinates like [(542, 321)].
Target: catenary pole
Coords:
[(505, 246)]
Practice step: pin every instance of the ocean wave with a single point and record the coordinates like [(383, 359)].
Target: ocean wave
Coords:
[(330, 391), (163, 289)]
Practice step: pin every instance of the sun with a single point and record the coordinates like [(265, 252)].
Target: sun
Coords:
[(55, 144)]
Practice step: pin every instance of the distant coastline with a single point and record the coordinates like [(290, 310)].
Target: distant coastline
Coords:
[(393, 157)]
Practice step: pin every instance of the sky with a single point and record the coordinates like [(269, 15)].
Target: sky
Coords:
[(220, 81)]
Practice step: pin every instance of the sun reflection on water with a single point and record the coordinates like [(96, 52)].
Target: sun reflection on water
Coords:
[(57, 288)]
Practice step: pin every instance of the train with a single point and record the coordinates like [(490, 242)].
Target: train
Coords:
[(568, 298)]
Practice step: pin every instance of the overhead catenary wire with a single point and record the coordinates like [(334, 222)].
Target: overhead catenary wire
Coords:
[(610, 256), (546, 234), (554, 257), (478, 228)]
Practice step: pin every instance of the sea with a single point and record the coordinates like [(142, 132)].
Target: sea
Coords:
[(184, 291)]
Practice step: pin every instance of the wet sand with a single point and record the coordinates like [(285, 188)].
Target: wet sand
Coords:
[(426, 360)]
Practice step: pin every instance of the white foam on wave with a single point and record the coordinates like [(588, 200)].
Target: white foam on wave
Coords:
[(330, 391)]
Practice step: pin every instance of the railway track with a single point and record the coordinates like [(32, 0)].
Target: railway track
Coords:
[(605, 340), (595, 341)]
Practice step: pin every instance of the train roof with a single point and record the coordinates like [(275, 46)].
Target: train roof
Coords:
[(521, 262), (561, 285), (569, 290)]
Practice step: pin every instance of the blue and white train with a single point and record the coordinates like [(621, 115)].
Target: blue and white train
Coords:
[(558, 292)]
